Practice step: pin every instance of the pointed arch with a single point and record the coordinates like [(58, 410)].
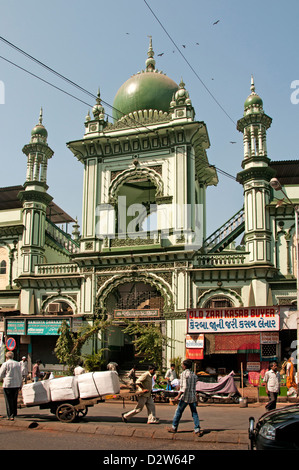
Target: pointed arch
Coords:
[(235, 298), (148, 278), (59, 298), (134, 173)]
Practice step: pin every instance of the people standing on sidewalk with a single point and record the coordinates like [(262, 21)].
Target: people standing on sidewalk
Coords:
[(24, 369), (186, 396), (133, 377), (36, 374), (170, 376), (272, 381), (10, 372), (290, 373), (78, 370), (144, 383)]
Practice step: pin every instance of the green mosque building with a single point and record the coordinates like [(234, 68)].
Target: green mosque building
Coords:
[(142, 252)]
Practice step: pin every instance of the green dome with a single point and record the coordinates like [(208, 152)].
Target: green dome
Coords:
[(39, 129), (146, 90), (254, 102), (253, 99)]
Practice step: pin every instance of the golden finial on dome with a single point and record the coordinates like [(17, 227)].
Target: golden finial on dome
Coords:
[(150, 62)]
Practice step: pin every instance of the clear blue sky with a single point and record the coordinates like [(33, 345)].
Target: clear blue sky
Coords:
[(88, 43)]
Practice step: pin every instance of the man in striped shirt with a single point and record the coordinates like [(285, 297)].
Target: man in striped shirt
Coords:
[(186, 396)]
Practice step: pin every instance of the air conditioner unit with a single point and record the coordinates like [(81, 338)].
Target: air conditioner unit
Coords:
[(54, 307)]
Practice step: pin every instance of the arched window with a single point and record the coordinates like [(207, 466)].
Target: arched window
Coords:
[(218, 302), (3, 267)]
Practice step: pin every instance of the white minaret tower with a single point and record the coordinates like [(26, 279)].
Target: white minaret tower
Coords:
[(35, 198), (255, 178)]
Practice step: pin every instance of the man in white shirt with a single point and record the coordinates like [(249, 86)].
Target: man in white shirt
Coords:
[(10, 372), (272, 381), (24, 369), (170, 376)]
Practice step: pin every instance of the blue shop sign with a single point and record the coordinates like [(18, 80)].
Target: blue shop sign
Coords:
[(44, 327)]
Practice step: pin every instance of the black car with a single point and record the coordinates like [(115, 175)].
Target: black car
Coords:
[(277, 429)]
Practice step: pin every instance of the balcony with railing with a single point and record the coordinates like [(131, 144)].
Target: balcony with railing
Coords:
[(219, 260), (61, 238), (59, 269)]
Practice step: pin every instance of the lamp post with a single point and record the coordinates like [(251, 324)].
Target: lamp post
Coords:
[(275, 184)]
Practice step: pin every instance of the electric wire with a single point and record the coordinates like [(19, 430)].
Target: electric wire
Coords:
[(188, 63), (81, 89)]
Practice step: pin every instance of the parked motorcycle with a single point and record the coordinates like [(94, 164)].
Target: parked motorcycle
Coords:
[(225, 388)]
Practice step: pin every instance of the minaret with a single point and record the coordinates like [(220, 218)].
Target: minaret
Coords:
[(255, 179), (35, 198)]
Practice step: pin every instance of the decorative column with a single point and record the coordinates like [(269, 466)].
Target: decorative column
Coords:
[(35, 198), (255, 179)]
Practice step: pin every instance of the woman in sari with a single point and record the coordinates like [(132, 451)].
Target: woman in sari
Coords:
[(290, 373)]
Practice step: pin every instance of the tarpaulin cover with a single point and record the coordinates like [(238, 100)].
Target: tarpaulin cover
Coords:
[(224, 385)]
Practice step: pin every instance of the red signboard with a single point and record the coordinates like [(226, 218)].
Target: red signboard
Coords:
[(195, 354)]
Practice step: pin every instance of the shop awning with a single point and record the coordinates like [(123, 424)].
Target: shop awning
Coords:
[(236, 343)]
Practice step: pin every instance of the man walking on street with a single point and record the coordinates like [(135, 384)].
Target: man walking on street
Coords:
[(144, 383), (186, 396), (272, 381), (10, 372)]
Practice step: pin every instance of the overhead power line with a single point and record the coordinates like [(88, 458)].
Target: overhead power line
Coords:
[(186, 60), (80, 88)]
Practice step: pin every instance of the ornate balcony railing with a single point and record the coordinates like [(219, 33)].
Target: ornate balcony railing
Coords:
[(61, 238), (222, 259), (61, 269)]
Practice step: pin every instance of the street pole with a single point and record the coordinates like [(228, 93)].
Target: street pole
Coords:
[(275, 184), (297, 261)]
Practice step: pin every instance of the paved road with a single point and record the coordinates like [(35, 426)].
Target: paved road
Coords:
[(222, 424)]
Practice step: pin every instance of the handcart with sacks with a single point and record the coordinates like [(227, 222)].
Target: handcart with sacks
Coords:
[(70, 397)]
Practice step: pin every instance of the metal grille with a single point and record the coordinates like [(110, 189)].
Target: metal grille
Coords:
[(136, 299)]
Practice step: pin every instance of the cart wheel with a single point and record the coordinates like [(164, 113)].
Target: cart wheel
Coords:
[(202, 399), (82, 413), (66, 413)]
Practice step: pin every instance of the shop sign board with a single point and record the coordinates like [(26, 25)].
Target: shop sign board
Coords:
[(194, 347), (230, 320), (194, 341), (137, 313), (253, 366), (44, 327), (15, 327), (269, 338)]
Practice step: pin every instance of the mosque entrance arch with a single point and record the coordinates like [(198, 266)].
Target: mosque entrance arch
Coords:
[(129, 298)]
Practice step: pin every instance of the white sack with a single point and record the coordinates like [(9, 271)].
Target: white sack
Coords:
[(94, 384), (107, 382), (36, 393), (64, 388), (86, 385)]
